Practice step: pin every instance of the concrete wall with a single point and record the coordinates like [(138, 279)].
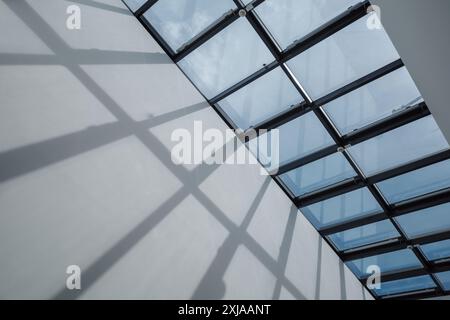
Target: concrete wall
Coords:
[(86, 176)]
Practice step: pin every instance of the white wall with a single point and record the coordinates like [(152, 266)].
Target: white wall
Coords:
[(86, 176)]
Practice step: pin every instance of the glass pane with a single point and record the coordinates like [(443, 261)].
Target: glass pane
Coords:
[(261, 99), (437, 250), (405, 285), (297, 139), (342, 58), (362, 236), (427, 221), (134, 4), (233, 54), (389, 262), (178, 21), (319, 174), (417, 183), (444, 279), (375, 101), (290, 20), (343, 208), (400, 146)]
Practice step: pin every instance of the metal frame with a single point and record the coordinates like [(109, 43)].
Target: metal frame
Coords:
[(341, 142)]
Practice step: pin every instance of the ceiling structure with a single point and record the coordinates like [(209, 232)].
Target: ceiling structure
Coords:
[(361, 155)]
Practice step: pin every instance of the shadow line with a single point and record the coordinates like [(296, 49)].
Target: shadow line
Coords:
[(102, 6), (85, 57), (212, 285), (23, 160), (285, 248)]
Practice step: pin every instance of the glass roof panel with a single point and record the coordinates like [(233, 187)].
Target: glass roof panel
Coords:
[(299, 138), (444, 279), (405, 285), (346, 56), (226, 59), (365, 235), (416, 183), (134, 4), (343, 208), (178, 21), (290, 20), (400, 146), (388, 262), (318, 174), (262, 99), (437, 250), (375, 101), (426, 221)]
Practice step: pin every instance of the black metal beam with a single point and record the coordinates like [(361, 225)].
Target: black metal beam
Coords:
[(340, 22), (409, 167), (329, 192), (379, 73), (217, 26), (395, 246), (147, 5)]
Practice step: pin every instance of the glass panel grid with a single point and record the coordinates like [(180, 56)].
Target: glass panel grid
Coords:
[(237, 51), (342, 58)]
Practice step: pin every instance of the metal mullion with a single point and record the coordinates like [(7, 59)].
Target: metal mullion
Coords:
[(328, 29), (405, 207), (304, 160), (409, 167), (216, 27), (395, 121), (405, 274), (142, 9), (256, 75), (338, 189), (375, 75), (395, 246)]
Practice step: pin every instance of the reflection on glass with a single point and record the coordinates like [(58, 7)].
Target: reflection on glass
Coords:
[(374, 101), (400, 146), (342, 208), (233, 54), (289, 20), (426, 221), (178, 21), (318, 174), (437, 250), (261, 99), (362, 236), (444, 279), (416, 183), (134, 4), (342, 58), (299, 138), (388, 262), (405, 286)]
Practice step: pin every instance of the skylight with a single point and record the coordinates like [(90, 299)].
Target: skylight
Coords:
[(360, 153)]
